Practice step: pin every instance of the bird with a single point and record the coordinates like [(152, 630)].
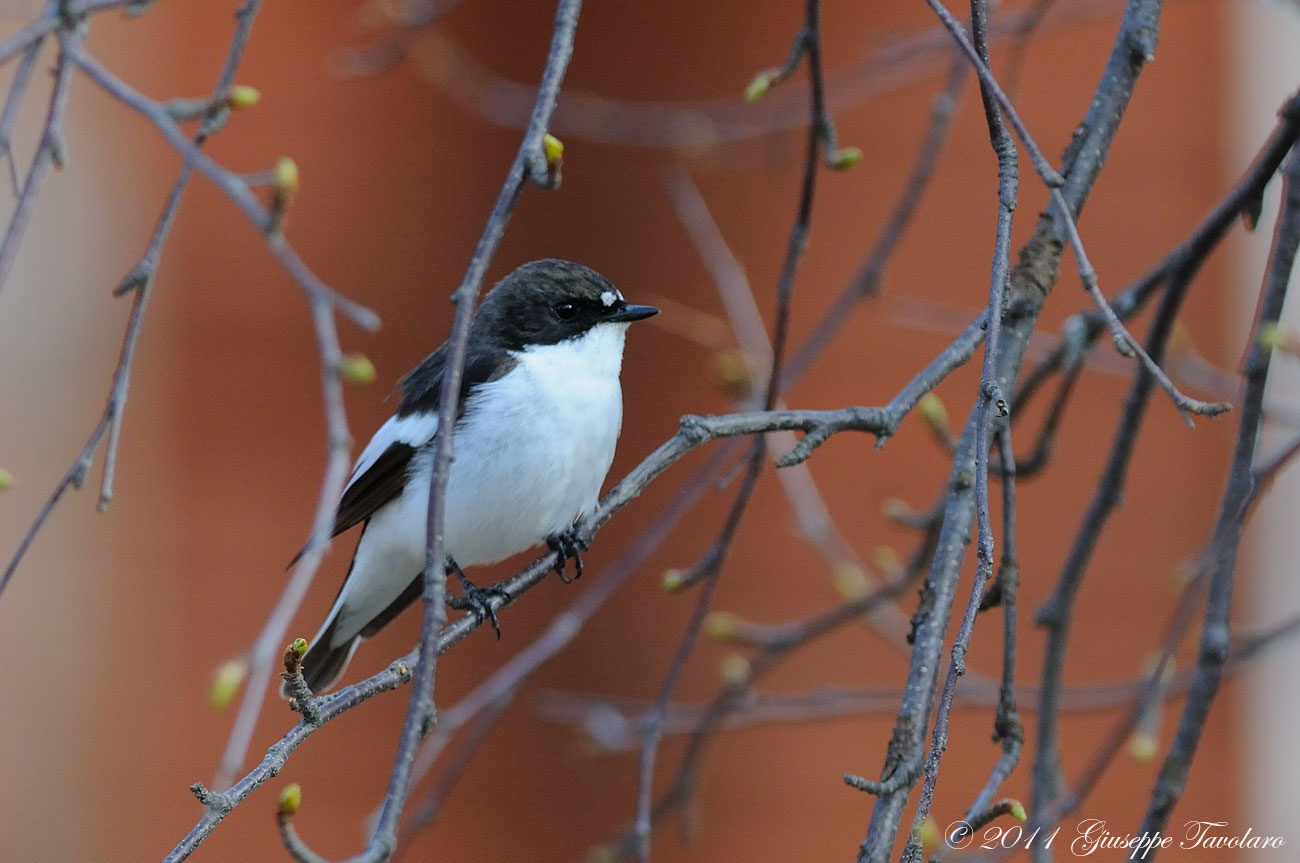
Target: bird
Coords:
[(539, 413)]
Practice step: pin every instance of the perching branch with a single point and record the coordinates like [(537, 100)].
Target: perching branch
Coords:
[(964, 510), (530, 162)]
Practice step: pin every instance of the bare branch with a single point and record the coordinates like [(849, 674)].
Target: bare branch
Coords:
[(233, 185), (1030, 281), (48, 153), (530, 161), (1228, 527), (990, 413)]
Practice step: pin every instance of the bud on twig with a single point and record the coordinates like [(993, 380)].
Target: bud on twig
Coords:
[(286, 176), (843, 159), (935, 414), (734, 669), (721, 626), (761, 83), (554, 149), (284, 186), (849, 580), (290, 798), (226, 683), (242, 96), (357, 369)]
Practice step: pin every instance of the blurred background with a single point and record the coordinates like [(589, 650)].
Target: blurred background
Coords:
[(113, 626)]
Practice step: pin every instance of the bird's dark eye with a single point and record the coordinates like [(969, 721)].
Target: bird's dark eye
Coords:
[(564, 311)]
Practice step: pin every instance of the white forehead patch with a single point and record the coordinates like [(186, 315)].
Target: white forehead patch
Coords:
[(609, 298)]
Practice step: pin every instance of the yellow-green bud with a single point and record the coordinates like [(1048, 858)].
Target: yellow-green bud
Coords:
[(286, 175), (842, 160), (672, 580), (226, 683), (932, 410), (1018, 811), (1143, 747), (758, 87), (553, 147), (721, 625), (242, 96), (849, 580), (884, 558), (6, 480), (730, 370), (1272, 336), (299, 646), (930, 836), (290, 799), (734, 668), (1184, 573), (357, 369)]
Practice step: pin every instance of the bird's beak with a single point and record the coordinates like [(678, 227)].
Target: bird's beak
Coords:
[(630, 313)]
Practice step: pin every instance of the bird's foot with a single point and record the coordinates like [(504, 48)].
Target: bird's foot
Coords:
[(476, 600), (569, 545)]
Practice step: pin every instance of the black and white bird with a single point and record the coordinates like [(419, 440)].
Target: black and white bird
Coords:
[(539, 414)]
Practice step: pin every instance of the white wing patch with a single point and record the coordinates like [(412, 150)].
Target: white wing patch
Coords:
[(416, 429)]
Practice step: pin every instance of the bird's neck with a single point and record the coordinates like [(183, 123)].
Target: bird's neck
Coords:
[(595, 355)]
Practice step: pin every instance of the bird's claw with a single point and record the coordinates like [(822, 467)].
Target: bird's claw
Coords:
[(477, 600), (569, 545)]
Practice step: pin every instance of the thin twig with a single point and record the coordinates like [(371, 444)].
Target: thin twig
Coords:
[(565, 626), (31, 34), (611, 725), (1031, 279), (1124, 341), (233, 185), (48, 153), (1230, 523), (795, 637), (708, 574), (17, 90), (141, 278), (807, 44), (1055, 614), (992, 91), (1154, 685), (807, 504), (428, 808), (991, 409), (888, 65), (530, 161), (866, 281), (219, 805), (1186, 259)]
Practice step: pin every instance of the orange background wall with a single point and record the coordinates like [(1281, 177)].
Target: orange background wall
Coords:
[(112, 627)]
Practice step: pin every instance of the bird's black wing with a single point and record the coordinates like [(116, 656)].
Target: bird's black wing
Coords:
[(379, 484), (384, 479)]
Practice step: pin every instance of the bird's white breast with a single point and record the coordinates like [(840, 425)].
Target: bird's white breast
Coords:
[(532, 451), (529, 456)]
